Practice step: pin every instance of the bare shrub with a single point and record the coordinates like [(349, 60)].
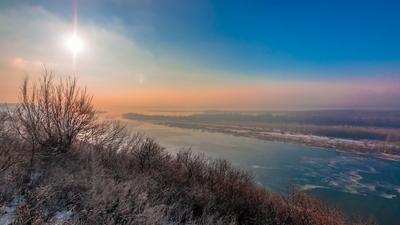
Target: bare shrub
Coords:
[(54, 115), (7, 156), (113, 149), (150, 155), (191, 166)]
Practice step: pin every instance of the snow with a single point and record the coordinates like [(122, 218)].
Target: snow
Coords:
[(61, 217), (7, 215)]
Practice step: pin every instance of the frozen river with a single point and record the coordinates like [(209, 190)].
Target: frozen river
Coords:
[(359, 185)]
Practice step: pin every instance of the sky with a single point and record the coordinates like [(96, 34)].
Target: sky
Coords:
[(177, 54)]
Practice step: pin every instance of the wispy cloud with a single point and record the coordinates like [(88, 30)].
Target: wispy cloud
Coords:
[(124, 74), (31, 36)]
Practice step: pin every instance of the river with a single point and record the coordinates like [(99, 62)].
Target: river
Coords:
[(360, 186)]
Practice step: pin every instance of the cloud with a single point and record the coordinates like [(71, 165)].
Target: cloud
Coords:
[(123, 73), (32, 36), (31, 33)]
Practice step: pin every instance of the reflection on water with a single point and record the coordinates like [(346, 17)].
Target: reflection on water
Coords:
[(357, 184)]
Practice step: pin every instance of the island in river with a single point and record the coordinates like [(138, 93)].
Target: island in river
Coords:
[(375, 133)]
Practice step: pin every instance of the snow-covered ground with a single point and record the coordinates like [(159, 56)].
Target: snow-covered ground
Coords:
[(7, 212)]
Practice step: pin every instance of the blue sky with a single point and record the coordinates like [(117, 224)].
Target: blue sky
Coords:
[(179, 43), (308, 39), (259, 36), (264, 35)]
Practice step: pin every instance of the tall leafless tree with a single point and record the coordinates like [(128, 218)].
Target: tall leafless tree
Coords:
[(52, 115)]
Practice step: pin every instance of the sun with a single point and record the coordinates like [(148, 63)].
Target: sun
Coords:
[(74, 43)]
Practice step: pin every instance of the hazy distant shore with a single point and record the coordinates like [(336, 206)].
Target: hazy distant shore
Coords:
[(376, 148)]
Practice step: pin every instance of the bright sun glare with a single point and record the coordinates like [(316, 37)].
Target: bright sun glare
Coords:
[(74, 43)]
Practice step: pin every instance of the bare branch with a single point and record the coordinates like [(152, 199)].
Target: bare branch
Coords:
[(54, 114)]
